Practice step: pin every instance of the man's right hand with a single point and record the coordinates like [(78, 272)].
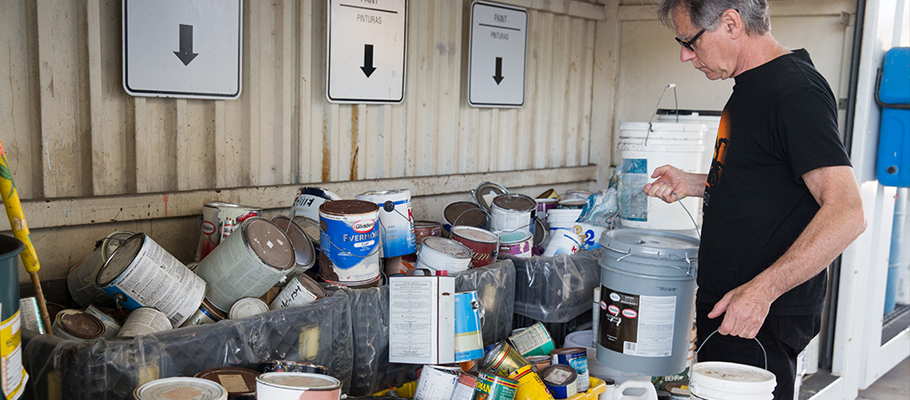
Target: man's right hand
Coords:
[(672, 180)]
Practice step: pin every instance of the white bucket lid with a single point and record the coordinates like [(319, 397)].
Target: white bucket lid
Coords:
[(715, 380), (662, 130)]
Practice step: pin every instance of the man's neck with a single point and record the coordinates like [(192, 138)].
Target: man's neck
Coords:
[(759, 50)]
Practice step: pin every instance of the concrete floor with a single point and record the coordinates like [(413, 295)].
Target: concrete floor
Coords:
[(895, 385)]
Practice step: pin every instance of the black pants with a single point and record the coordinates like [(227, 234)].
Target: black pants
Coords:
[(783, 337)]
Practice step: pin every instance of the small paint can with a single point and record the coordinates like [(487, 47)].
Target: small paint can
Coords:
[(299, 291), (80, 280), (206, 314), (533, 341), (486, 192), (513, 212), (436, 383), (240, 383), (561, 380), (577, 358), (180, 388), (516, 243), (396, 220), (503, 360), (111, 327), (458, 213), (424, 229), (571, 204), (304, 252), (349, 240), (144, 321), (140, 273), (247, 307), (540, 362), (290, 366), (549, 194), (308, 200), (218, 221), (678, 390), (530, 386), (464, 388), (483, 243), (468, 334), (494, 387), (441, 254), (297, 386), (30, 315), (562, 241), (247, 264), (77, 325)]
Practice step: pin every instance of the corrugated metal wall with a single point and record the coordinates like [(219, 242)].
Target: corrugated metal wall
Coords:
[(70, 130)]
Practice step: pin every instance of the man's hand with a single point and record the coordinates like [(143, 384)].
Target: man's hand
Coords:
[(672, 180), (745, 309)]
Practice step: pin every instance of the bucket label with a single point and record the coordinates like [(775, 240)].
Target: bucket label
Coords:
[(633, 203), (348, 240), (636, 325), (468, 335), (12, 374)]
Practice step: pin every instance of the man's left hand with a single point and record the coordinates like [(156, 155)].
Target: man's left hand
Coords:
[(744, 309)]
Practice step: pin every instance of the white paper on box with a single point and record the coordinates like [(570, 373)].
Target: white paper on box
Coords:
[(422, 319)]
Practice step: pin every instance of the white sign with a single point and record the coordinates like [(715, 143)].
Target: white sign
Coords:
[(182, 48), (498, 54), (366, 43)]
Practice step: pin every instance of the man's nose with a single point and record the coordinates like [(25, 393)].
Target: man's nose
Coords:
[(685, 54)]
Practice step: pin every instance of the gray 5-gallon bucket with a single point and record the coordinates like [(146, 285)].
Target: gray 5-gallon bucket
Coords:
[(646, 299)]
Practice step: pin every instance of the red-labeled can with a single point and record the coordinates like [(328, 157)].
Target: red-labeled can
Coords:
[(484, 243)]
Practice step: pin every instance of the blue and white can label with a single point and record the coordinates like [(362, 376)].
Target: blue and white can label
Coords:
[(349, 238), (396, 220), (468, 333), (577, 358)]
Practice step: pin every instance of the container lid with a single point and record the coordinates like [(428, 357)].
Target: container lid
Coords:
[(515, 201), (236, 381), (662, 130), (269, 243), (120, 259), (719, 379), (304, 252), (348, 207), (475, 234), (310, 226), (558, 374), (464, 213), (247, 307), (486, 192), (300, 380), (650, 244), (447, 246), (691, 113), (180, 388), (541, 231), (80, 324)]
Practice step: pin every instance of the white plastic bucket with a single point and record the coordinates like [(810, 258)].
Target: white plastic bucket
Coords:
[(562, 242), (718, 380), (680, 145), (711, 119), (396, 218)]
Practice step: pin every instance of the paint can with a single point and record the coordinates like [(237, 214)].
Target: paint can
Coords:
[(464, 388), (30, 315), (483, 244), (549, 194), (577, 358), (308, 201), (468, 334), (535, 340), (513, 212), (403, 265), (77, 325), (396, 220), (541, 235), (561, 380), (247, 307), (304, 252), (503, 360), (530, 386), (441, 254), (239, 383), (170, 388), (466, 213), (436, 382), (571, 204), (349, 239), (562, 241), (218, 221), (290, 366), (677, 390), (111, 327), (299, 291), (574, 194), (247, 264), (80, 280), (494, 387), (206, 314), (13, 375), (718, 380), (424, 229), (516, 243), (144, 321), (540, 362), (297, 386), (647, 294), (139, 261), (544, 205), (485, 192)]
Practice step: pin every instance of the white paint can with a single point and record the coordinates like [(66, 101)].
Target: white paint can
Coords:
[(247, 307), (144, 321), (304, 252), (562, 241), (80, 280), (718, 380), (441, 254), (396, 220), (297, 386), (436, 382), (218, 221), (140, 273), (299, 291), (180, 388), (512, 212), (247, 264)]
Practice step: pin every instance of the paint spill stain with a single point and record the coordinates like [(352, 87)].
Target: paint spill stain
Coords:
[(164, 197)]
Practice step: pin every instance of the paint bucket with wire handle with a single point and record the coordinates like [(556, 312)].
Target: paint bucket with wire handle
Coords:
[(720, 380)]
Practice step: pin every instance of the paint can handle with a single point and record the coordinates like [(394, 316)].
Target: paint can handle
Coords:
[(764, 352)]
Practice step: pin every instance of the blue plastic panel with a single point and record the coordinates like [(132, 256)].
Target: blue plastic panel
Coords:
[(894, 148), (895, 86)]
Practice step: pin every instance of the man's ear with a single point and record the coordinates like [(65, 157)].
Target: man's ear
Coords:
[(731, 22)]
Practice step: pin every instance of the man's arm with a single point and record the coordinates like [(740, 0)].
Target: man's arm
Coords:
[(838, 223), (672, 180)]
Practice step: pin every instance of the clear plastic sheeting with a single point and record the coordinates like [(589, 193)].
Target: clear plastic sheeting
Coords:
[(318, 333), (556, 289), (495, 286)]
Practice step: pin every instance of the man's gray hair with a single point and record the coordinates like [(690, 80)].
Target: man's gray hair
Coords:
[(705, 13)]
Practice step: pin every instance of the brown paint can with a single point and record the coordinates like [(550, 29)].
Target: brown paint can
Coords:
[(484, 243)]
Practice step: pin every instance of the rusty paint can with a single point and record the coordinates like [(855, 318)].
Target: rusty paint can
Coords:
[(180, 388), (77, 325), (503, 360), (218, 221), (424, 229), (304, 252), (463, 213), (540, 362), (441, 254), (247, 264), (483, 243), (144, 321), (206, 314), (240, 383), (494, 387), (516, 243), (350, 241), (80, 280), (247, 307), (464, 388), (530, 387), (290, 366), (139, 261), (561, 380), (111, 327), (301, 290)]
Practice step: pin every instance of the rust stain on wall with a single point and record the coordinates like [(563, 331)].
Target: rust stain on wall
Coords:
[(326, 154), (355, 138)]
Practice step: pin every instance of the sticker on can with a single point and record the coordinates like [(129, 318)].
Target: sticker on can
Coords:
[(637, 325), (494, 387), (577, 358), (533, 341), (468, 335), (530, 386)]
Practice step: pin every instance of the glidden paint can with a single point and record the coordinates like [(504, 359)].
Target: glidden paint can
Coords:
[(80, 280), (513, 212), (436, 382), (530, 387), (533, 341), (144, 321), (464, 389), (503, 360), (297, 386), (396, 220), (247, 264), (468, 334), (516, 243), (168, 388), (299, 291), (218, 221), (493, 387), (349, 239), (561, 380), (483, 243), (463, 213), (141, 273), (577, 358), (441, 254)]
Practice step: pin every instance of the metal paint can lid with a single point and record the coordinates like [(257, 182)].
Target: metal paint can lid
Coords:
[(269, 243), (304, 252), (180, 388), (448, 247), (559, 374), (486, 192), (348, 207), (239, 382), (515, 202), (464, 213), (78, 324), (120, 259), (247, 307)]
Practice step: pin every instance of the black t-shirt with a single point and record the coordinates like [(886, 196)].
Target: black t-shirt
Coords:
[(779, 123)]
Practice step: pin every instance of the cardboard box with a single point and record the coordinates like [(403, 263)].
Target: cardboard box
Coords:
[(422, 319)]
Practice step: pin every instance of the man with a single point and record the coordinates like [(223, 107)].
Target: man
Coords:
[(780, 202)]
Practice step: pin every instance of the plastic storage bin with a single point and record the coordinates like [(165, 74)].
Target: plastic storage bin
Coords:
[(893, 94)]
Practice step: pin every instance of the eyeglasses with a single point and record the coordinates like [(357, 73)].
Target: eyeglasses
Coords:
[(688, 44)]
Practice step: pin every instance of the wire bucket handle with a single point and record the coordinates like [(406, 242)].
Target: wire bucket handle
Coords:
[(764, 352)]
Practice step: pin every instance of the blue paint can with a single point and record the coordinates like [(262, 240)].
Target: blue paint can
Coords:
[(577, 358), (349, 239), (396, 220), (468, 333)]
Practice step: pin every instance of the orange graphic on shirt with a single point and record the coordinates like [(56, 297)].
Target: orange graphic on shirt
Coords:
[(720, 150)]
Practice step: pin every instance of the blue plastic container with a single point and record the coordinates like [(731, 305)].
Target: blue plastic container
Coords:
[(893, 94)]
